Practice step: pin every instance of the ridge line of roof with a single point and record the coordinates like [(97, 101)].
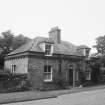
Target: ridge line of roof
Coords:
[(66, 46)]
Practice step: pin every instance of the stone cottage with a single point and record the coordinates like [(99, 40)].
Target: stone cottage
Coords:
[(49, 63)]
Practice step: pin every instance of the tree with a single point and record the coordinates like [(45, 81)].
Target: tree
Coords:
[(9, 42), (100, 44), (6, 41), (19, 40)]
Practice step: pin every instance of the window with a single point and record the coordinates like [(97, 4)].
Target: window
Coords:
[(77, 76), (87, 52), (88, 76), (88, 72), (48, 49), (71, 66), (13, 69), (102, 68), (47, 73)]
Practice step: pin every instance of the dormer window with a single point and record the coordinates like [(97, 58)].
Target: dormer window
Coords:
[(86, 52), (48, 49)]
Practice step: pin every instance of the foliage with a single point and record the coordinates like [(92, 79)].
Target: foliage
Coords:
[(23, 86), (6, 41), (17, 85), (19, 40), (10, 42), (60, 80), (95, 74), (100, 44), (82, 77), (6, 70), (82, 73)]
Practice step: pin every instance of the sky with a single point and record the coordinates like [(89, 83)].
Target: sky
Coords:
[(80, 21)]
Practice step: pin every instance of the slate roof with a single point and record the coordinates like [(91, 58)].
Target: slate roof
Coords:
[(82, 47), (64, 47)]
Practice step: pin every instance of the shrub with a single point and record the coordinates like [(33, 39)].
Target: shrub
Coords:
[(61, 81), (6, 70)]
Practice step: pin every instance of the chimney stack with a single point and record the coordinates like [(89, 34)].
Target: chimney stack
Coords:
[(55, 35)]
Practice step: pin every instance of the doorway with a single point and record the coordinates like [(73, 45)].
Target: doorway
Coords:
[(71, 77)]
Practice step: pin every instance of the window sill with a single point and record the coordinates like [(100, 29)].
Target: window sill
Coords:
[(47, 80), (48, 55)]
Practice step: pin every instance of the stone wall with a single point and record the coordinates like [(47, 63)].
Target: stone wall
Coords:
[(20, 62), (59, 69), (36, 69), (34, 66)]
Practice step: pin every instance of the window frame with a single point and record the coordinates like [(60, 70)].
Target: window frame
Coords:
[(77, 76), (86, 52), (13, 69), (102, 69), (47, 73), (88, 76), (48, 51)]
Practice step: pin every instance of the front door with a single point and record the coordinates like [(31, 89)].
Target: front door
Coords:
[(71, 77)]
